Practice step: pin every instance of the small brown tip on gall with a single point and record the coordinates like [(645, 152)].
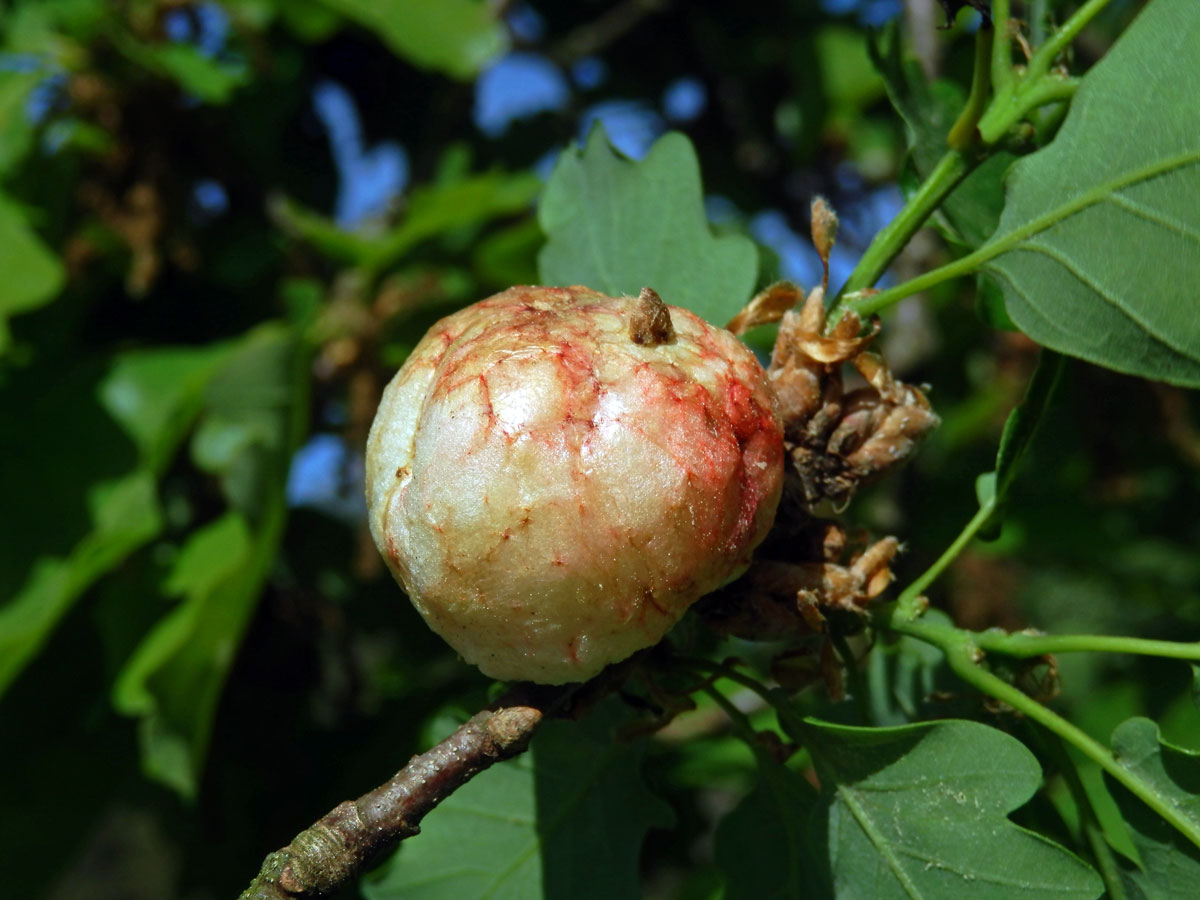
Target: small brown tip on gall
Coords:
[(824, 226), (651, 321), (824, 232)]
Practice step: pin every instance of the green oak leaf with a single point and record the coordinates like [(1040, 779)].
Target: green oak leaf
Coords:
[(1170, 863), (172, 681), (1098, 248), (617, 226), (920, 811), (566, 819)]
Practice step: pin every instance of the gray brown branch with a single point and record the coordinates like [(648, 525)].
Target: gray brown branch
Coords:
[(339, 846)]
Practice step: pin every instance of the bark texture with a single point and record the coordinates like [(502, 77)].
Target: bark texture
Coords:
[(338, 846)]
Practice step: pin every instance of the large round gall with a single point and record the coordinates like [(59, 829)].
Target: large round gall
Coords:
[(555, 476)]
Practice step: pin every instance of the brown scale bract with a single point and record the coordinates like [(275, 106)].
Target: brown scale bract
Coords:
[(555, 475), (804, 578), (839, 440)]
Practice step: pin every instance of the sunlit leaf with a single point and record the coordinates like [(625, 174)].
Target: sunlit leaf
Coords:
[(83, 457), (173, 681), (1098, 249), (566, 819), (431, 210), (16, 128), (155, 395), (33, 275), (210, 80), (122, 515), (457, 37), (1170, 863), (618, 226), (921, 811)]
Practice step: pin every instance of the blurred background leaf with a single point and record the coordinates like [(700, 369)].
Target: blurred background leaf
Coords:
[(456, 36), (33, 274)]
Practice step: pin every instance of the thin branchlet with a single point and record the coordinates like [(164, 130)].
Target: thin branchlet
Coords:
[(338, 846)]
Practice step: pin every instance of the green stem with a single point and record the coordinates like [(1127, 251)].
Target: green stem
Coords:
[(965, 132), (945, 177), (1015, 97), (1019, 101), (963, 657), (1093, 832), (909, 604), (1037, 22), (1001, 55), (868, 304), (1044, 56), (1023, 644)]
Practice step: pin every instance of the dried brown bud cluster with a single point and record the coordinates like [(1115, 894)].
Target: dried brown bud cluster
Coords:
[(837, 440)]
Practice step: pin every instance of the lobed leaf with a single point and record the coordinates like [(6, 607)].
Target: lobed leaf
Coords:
[(173, 680), (1170, 863), (168, 681), (617, 226), (567, 819), (921, 811), (1098, 248)]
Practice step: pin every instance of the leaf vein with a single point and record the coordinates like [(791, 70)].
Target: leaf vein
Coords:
[(1091, 197), (1156, 216), (867, 824), (1112, 300)]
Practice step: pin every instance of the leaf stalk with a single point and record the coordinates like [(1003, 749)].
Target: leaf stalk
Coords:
[(964, 656)]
